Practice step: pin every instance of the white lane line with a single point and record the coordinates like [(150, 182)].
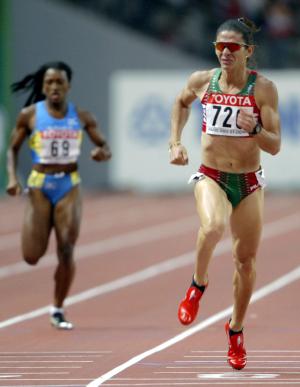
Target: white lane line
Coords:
[(31, 367), (135, 238), (140, 276), (46, 385), (264, 383), (248, 361), (36, 373), (259, 294), (253, 350), (213, 373), (274, 350), (52, 379), (160, 384), (248, 356), (115, 243), (266, 367), (200, 361), (231, 382), (232, 375), (128, 216), (272, 229), (164, 381), (47, 356), (225, 375), (24, 353), (46, 361)]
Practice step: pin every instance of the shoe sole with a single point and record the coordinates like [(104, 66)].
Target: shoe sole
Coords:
[(66, 326), (235, 367)]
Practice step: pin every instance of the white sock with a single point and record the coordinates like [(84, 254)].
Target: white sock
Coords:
[(55, 309)]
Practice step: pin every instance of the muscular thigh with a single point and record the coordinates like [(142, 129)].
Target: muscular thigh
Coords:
[(67, 216), (212, 204), (37, 224), (246, 224)]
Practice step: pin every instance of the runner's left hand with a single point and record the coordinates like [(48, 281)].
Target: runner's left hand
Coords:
[(246, 120), (101, 153)]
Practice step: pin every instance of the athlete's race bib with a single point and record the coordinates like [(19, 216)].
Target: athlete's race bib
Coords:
[(222, 111), (59, 147)]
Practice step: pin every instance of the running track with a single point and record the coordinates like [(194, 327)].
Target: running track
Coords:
[(134, 261)]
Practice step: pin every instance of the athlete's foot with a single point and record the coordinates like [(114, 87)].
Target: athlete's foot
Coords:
[(58, 320), (237, 356), (188, 308)]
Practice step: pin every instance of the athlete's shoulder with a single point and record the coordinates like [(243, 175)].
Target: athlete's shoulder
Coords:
[(27, 112), (200, 78), (86, 117), (265, 89), (264, 83), (25, 119), (82, 113), (28, 109)]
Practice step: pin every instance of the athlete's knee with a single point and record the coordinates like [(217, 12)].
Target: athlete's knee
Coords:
[(31, 259), (33, 251), (246, 266), (65, 253), (213, 232)]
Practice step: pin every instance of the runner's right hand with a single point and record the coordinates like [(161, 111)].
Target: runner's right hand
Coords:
[(178, 155), (14, 188)]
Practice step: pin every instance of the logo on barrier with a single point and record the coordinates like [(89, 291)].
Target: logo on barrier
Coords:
[(150, 120), (290, 119)]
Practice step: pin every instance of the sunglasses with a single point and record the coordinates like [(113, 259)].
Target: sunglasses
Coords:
[(232, 47)]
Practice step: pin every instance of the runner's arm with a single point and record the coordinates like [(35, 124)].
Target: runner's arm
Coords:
[(102, 151), (269, 138), (18, 136), (180, 114)]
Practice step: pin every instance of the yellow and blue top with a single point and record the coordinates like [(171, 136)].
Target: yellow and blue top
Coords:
[(55, 140)]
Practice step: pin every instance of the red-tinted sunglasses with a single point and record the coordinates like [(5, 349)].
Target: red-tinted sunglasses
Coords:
[(232, 47)]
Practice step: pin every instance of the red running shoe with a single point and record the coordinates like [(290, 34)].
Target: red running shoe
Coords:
[(188, 307), (237, 356)]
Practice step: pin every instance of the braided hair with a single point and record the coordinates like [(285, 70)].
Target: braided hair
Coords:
[(34, 81)]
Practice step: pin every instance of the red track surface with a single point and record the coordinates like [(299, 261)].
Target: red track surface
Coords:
[(132, 310)]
